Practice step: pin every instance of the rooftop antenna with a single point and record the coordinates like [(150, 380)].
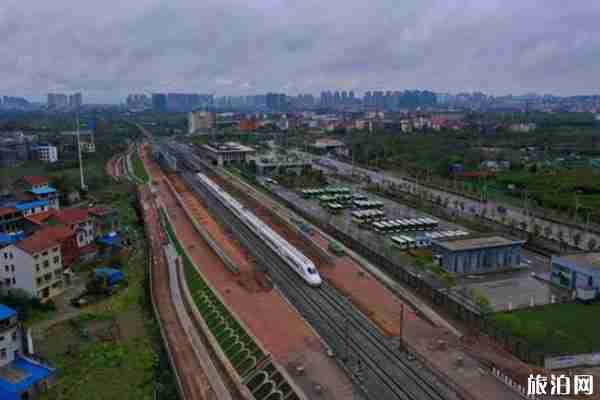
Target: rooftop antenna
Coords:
[(83, 186)]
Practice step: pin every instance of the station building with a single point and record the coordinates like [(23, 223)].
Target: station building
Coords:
[(577, 271), (477, 255), (227, 153)]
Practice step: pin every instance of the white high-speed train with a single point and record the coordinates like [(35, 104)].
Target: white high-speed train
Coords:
[(297, 261)]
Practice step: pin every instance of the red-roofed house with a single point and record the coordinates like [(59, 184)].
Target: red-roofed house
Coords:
[(80, 222), (67, 239), (33, 264), (33, 182)]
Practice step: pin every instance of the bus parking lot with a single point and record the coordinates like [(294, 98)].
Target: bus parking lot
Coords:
[(504, 290)]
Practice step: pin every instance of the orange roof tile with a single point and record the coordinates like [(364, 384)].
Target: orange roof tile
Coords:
[(41, 218), (71, 215), (7, 210), (36, 243), (35, 180)]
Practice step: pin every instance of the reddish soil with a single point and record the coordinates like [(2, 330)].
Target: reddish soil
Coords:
[(193, 379), (268, 316)]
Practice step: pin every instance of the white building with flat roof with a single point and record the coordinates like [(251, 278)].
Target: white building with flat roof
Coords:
[(34, 265), (45, 152)]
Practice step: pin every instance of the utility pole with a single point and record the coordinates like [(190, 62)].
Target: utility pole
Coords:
[(83, 186), (401, 335), (346, 339)]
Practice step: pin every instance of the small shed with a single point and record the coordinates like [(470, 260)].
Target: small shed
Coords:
[(112, 275)]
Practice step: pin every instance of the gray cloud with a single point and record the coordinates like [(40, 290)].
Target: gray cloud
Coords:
[(110, 48)]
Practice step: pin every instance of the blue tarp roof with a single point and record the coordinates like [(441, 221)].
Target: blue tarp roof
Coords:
[(31, 204), (6, 239), (112, 239), (6, 312), (33, 373), (43, 190), (112, 275), (108, 272)]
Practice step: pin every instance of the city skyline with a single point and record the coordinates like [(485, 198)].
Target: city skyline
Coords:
[(113, 49)]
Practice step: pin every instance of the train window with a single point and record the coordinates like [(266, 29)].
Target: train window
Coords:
[(311, 270)]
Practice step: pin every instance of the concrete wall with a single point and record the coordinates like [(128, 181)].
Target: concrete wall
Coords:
[(570, 361)]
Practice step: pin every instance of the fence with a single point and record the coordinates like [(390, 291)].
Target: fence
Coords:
[(435, 294)]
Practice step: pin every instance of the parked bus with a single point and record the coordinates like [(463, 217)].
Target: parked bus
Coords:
[(367, 204), (333, 207), (399, 243), (363, 217)]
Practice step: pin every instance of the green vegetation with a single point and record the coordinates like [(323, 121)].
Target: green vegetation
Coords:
[(138, 168), (30, 309), (336, 248), (114, 348), (569, 328), (556, 188), (308, 179), (241, 349)]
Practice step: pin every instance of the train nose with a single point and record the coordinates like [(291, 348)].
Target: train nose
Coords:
[(315, 280)]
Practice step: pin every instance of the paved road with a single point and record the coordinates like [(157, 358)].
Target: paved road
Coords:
[(467, 206)]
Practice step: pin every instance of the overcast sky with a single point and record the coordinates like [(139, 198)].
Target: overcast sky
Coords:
[(109, 48)]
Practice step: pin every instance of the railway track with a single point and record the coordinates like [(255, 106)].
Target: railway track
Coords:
[(363, 351), (193, 163)]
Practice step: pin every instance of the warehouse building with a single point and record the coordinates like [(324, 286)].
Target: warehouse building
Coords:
[(477, 255), (577, 271)]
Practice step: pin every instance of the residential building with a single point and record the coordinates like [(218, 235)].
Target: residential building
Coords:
[(577, 271), (57, 100), (20, 376), (11, 220), (78, 220), (75, 101), (38, 188), (326, 145), (159, 102), (63, 235), (32, 182), (522, 127), (33, 207), (34, 265), (249, 125), (201, 121), (477, 255), (45, 153)]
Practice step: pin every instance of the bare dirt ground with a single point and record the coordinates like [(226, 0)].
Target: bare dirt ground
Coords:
[(268, 316)]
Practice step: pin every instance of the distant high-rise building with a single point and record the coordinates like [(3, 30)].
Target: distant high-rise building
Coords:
[(159, 102), (57, 100), (138, 102), (276, 101), (75, 100)]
